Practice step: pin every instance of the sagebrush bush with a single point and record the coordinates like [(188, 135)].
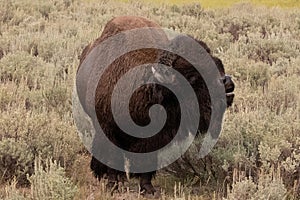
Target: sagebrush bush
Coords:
[(244, 189), (16, 160), (45, 134), (49, 181), (22, 66), (269, 186)]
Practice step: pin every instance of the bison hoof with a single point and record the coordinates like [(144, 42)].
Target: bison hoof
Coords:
[(147, 189)]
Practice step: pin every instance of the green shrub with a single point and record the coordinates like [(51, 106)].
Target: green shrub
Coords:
[(22, 66), (45, 134), (269, 186), (248, 190), (243, 190), (50, 182), (16, 160)]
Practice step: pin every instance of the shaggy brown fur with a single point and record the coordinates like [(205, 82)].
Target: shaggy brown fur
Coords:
[(143, 98)]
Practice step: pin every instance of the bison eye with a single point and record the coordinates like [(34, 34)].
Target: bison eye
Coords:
[(224, 80)]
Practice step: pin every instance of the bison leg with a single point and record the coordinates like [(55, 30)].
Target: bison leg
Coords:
[(98, 168), (145, 183)]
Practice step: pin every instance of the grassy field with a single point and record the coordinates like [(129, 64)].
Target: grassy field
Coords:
[(257, 155)]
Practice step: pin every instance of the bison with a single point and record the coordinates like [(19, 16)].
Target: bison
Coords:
[(144, 97)]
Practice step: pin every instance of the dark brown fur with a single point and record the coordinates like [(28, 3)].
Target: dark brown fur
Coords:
[(143, 98)]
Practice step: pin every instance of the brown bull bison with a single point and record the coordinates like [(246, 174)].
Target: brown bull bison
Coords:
[(144, 97)]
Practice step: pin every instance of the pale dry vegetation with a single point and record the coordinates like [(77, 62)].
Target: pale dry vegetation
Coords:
[(41, 155)]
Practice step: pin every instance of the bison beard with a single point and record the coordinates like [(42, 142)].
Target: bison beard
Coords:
[(143, 98)]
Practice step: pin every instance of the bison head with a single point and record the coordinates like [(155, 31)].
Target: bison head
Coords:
[(187, 69)]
